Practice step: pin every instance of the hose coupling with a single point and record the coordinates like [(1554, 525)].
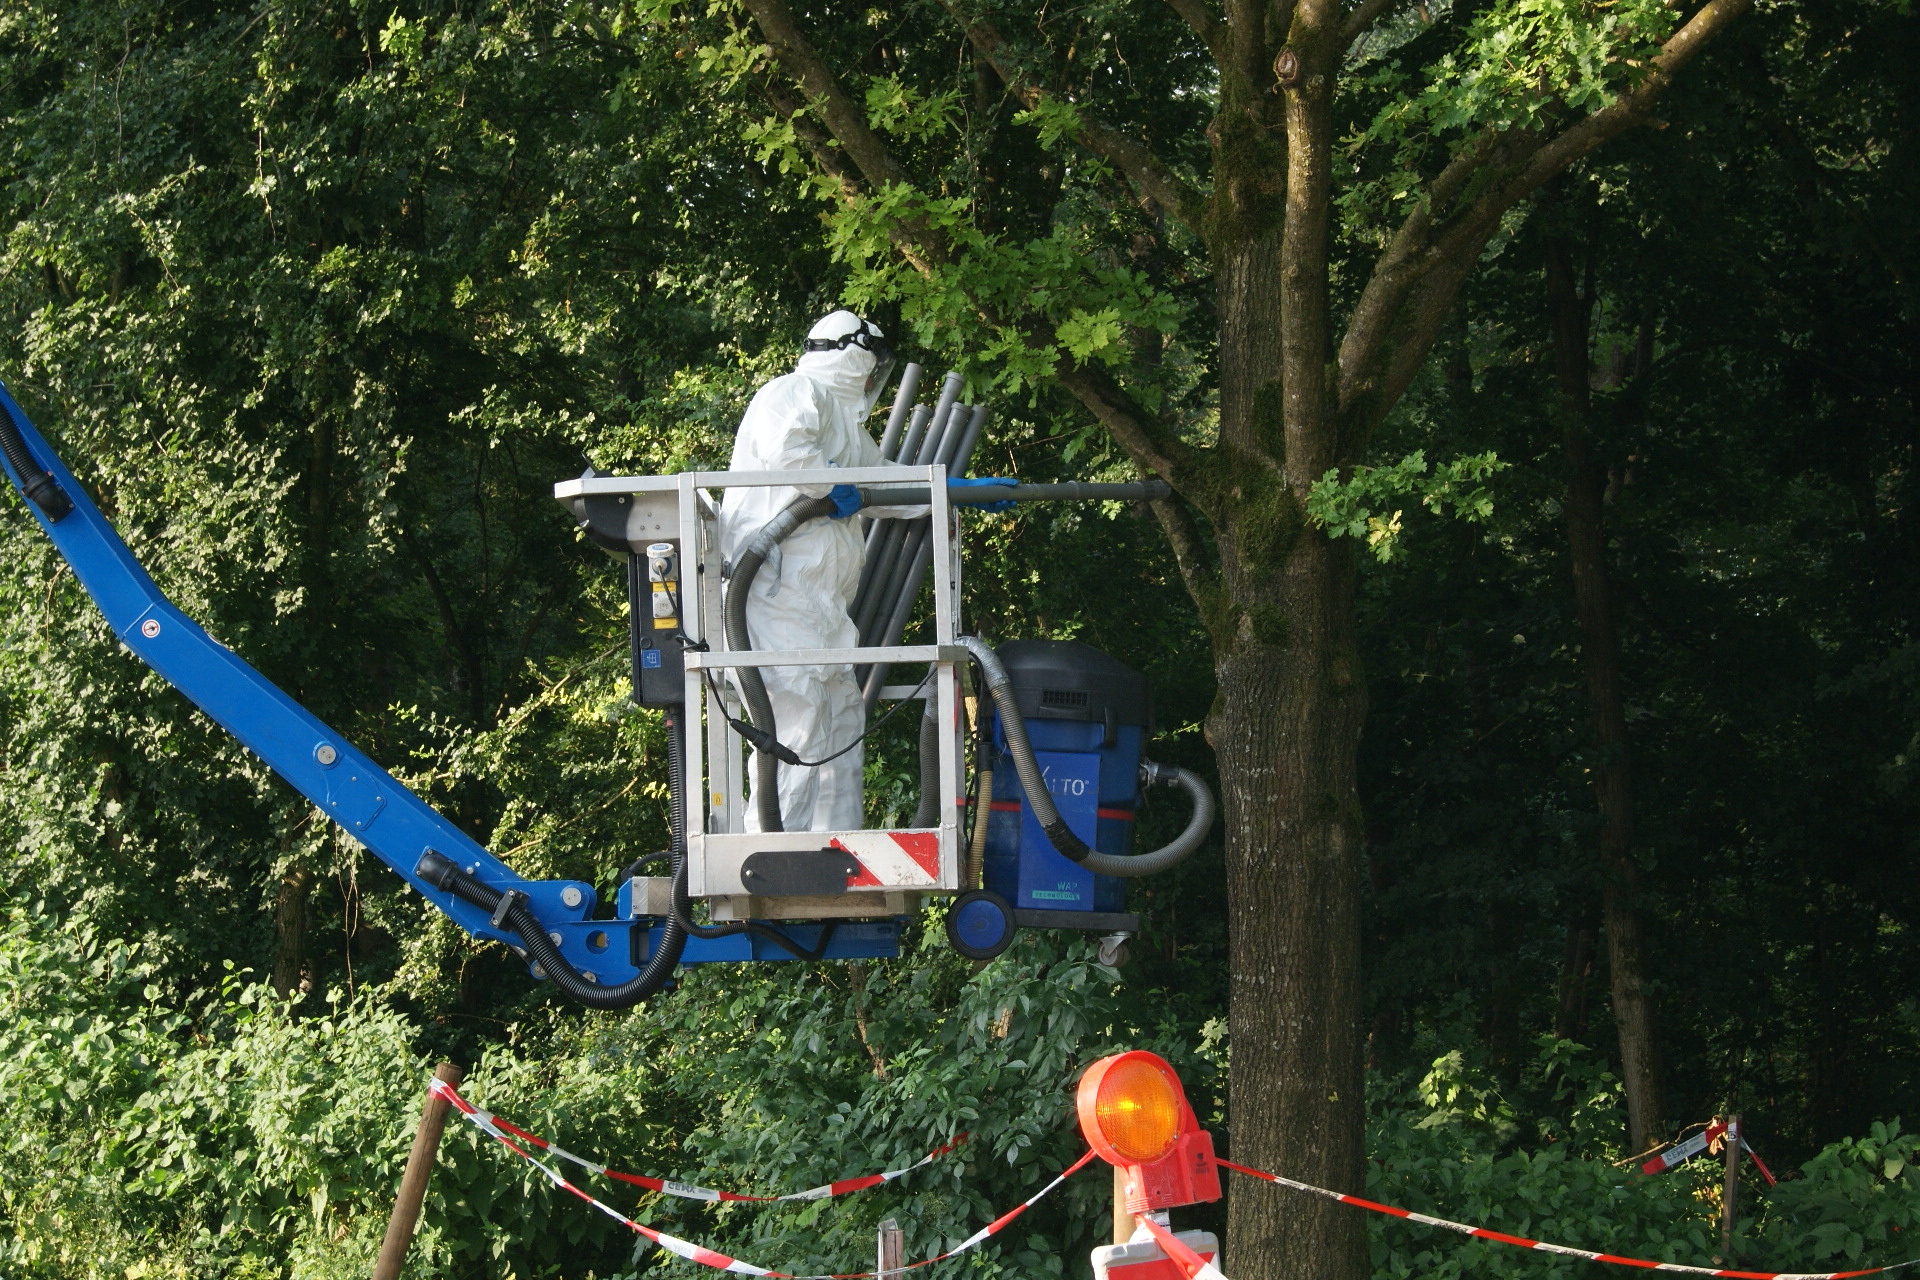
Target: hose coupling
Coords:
[(440, 871), (1159, 775), (503, 908)]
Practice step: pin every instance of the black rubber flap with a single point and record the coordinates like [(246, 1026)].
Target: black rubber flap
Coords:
[(798, 873), (1067, 680)]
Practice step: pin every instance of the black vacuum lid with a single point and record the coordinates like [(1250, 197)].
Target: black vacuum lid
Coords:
[(1067, 680)]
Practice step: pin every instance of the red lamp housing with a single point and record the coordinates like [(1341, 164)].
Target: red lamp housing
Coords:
[(1135, 1116)]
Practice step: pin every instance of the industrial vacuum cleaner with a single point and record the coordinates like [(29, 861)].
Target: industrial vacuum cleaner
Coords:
[(1036, 833)]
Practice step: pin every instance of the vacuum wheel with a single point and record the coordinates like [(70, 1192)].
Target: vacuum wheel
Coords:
[(980, 924)]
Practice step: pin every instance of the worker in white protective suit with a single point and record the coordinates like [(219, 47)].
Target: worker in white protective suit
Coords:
[(812, 419)]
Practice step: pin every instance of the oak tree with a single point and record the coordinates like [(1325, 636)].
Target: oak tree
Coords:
[(1232, 235)]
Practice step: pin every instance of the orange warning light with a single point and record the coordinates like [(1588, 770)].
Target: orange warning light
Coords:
[(1135, 1115)]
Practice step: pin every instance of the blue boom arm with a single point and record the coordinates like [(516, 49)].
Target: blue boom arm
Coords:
[(366, 801)]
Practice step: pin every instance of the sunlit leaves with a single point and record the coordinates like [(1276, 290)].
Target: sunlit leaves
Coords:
[(1355, 507), (1523, 65), (896, 108), (1053, 117)]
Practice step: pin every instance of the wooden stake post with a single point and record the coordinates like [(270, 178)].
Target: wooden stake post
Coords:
[(1730, 1191), (1122, 1220), (892, 1252), (413, 1183)]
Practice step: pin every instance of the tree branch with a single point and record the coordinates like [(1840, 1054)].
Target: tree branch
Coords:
[(1130, 156), (1138, 431), (1146, 439), (1204, 25), (917, 243), (847, 122), (832, 160), (1189, 548), (1305, 319), (1364, 15), (1412, 286), (1156, 450), (1247, 39)]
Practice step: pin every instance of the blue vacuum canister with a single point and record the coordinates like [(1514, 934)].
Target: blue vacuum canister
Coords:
[(1087, 716)]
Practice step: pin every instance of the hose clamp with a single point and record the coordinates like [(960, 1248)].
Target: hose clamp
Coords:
[(502, 909)]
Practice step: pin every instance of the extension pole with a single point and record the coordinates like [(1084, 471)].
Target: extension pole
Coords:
[(413, 1183), (1730, 1191), (892, 1251)]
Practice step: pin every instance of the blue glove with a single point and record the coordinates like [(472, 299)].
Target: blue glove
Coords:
[(846, 501), (1005, 504)]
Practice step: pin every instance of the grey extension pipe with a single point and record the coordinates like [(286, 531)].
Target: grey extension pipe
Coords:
[(1000, 688), (980, 495)]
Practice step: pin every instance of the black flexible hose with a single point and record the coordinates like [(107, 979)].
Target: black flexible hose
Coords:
[(1014, 727), (35, 480), (444, 873), (510, 910), (753, 688), (682, 918), (928, 813), (683, 915)]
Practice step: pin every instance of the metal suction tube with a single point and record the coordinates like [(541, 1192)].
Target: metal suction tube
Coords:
[(1034, 783), (980, 495)]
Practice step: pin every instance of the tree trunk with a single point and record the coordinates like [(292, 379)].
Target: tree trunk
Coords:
[(292, 912), (1294, 404), (1576, 961), (1285, 729), (1600, 655)]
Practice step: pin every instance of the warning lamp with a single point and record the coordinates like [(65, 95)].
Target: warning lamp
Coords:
[(1135, 1116)]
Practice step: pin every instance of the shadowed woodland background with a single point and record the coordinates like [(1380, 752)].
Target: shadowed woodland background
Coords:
[(320, 300)]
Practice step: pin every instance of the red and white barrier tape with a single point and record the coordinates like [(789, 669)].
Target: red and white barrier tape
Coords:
[(490, 1124), (1196, 1267), (1191, 1263), (1683, 1151), (1758, 1163), (685, 1190), (1523, 1243)]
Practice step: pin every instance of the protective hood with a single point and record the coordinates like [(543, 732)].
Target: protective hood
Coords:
[(854, 364)]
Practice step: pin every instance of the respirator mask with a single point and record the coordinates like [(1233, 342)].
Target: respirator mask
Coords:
[(875, 344)]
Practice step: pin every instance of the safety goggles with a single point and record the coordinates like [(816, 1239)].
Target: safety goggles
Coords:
[(868, 339)]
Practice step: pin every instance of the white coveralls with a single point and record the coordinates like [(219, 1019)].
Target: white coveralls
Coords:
[(811, 418)]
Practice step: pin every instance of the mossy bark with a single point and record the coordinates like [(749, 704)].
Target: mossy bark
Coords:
[(1285, 726)]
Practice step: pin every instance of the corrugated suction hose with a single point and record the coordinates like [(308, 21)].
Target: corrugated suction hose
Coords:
[(1034, 783), (753, 688)]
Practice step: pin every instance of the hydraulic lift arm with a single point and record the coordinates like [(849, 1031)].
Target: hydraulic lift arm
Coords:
[(429, 852)]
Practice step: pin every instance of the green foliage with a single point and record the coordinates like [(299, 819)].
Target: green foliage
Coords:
[(1540, 1158), (250, 1136), (321, 301), (1351, 508), (1517, 65)]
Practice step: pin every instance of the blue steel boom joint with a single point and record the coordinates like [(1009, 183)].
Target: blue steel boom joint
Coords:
[(1034, 831)]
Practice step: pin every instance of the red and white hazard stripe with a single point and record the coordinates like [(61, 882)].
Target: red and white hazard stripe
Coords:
[(893, 859), (1195, 1266), (1681, 1152), (489, 1122), (706, 1257), (1522, 1242)]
